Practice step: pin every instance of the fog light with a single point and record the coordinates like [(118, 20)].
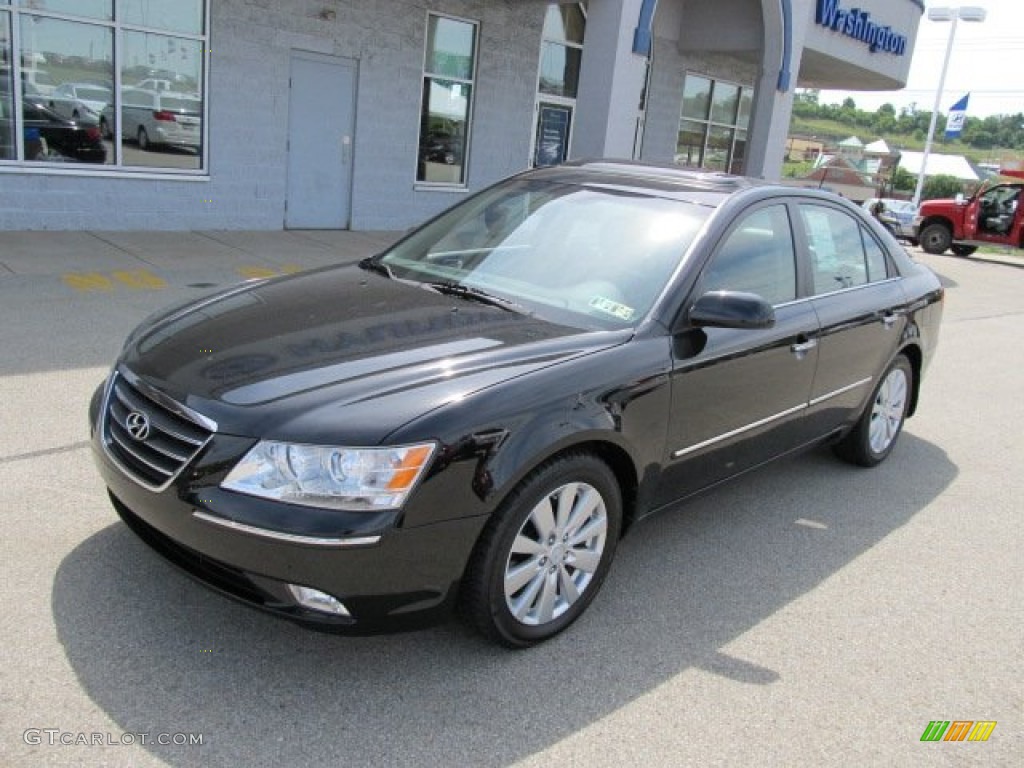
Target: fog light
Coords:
[(316, 600)]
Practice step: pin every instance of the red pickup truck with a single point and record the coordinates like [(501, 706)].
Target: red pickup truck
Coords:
[(993, 216)]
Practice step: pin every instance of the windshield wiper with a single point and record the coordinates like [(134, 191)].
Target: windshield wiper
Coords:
[(371, 265), (476, 294)]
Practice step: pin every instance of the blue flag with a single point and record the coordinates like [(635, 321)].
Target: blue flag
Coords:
[(956, 118)]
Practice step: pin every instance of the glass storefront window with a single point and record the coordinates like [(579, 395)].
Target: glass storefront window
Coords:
[(450, 47), (90, 9), (161, 117), (71, 112), (716, 157), (565, 23), (696, 97), (690, 144), (713, 122), (560, 70), (724, 103), (561, 55), (446, 108), (61, 122), (171, 15), (7, 147)]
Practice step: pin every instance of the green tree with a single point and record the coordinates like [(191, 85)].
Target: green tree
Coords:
[(940, 186), (903, 180)]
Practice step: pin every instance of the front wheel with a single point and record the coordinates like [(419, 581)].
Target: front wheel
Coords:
[(874, 436), (936, 238), (543, 556)]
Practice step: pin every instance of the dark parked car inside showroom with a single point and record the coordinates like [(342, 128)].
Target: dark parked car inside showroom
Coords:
[(65, 139), (475, 416)]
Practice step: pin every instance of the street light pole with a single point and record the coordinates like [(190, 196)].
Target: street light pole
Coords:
[(967, 13)]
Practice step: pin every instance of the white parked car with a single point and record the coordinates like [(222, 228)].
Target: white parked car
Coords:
[(80, 101), (165, 118), (155, 84)]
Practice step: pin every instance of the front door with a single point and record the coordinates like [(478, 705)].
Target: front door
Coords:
[(321, 122), (991, 215), (741, 395)]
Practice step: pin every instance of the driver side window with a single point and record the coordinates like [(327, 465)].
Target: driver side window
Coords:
[(757, 256)]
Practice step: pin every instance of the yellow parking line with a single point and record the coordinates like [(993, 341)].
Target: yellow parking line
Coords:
[(140, 279), (256, 273), (87, 281)]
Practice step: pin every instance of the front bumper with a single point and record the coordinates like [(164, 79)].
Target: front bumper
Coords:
[(388, 577)]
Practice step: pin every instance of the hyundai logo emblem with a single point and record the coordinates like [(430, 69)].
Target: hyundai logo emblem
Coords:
[(138, 425)]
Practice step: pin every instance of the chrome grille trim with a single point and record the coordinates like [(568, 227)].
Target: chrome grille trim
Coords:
[(177, 434)]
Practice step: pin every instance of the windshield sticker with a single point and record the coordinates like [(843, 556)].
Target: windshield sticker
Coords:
[(609, 307)]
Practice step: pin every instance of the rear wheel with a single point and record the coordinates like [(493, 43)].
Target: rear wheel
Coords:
[(544, 554), (143, 138), (964, 250), (936, 238), (872, 440)]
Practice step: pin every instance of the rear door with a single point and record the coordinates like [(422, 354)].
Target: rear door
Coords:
[(739, 397), (860, 306)]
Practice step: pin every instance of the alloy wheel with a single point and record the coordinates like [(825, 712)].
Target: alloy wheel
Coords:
[(556, 553), (888, 410)]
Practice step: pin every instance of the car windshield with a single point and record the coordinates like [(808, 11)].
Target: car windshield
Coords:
[(590, 256), (901, 206)]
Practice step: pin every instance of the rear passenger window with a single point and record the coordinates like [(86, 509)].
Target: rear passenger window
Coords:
[(756, 257), (877, 269), (843, 253)]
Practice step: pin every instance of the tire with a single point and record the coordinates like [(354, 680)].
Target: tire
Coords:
[(105, 131), (543, 556), (964, 250), (877, 429), (143, 138), (936, 238)]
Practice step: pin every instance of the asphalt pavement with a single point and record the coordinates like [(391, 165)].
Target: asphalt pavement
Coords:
[(808, 614)]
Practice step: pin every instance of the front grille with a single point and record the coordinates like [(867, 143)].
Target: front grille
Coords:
[(155, 455)]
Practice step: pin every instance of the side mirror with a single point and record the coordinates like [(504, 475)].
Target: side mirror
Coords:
[(731, 309), (959, 198)]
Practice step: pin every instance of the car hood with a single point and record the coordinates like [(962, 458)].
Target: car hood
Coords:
[(941, 203), (280, 358)]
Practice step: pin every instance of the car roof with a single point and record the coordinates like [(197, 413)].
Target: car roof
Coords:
[(693, 185)]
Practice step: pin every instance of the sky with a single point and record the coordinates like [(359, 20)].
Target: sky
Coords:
[(987, 61)]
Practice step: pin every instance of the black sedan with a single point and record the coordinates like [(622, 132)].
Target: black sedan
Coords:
[(475, 416), (64, 139)]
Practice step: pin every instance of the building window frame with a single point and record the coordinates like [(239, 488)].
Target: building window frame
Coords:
[(15, 13), (555, 102), (709, 125), (460, 150)]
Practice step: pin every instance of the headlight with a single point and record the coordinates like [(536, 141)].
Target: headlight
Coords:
[(329, 476)]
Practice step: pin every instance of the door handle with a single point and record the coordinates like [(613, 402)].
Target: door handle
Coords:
[(346, 149), (800, 349)]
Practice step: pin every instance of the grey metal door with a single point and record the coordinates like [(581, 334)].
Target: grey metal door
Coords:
[(321, 121)]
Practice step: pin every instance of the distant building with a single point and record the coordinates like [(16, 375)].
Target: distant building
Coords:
[(854, 170)]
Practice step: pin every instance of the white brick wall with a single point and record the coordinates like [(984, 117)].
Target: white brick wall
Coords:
[(251, 41)]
